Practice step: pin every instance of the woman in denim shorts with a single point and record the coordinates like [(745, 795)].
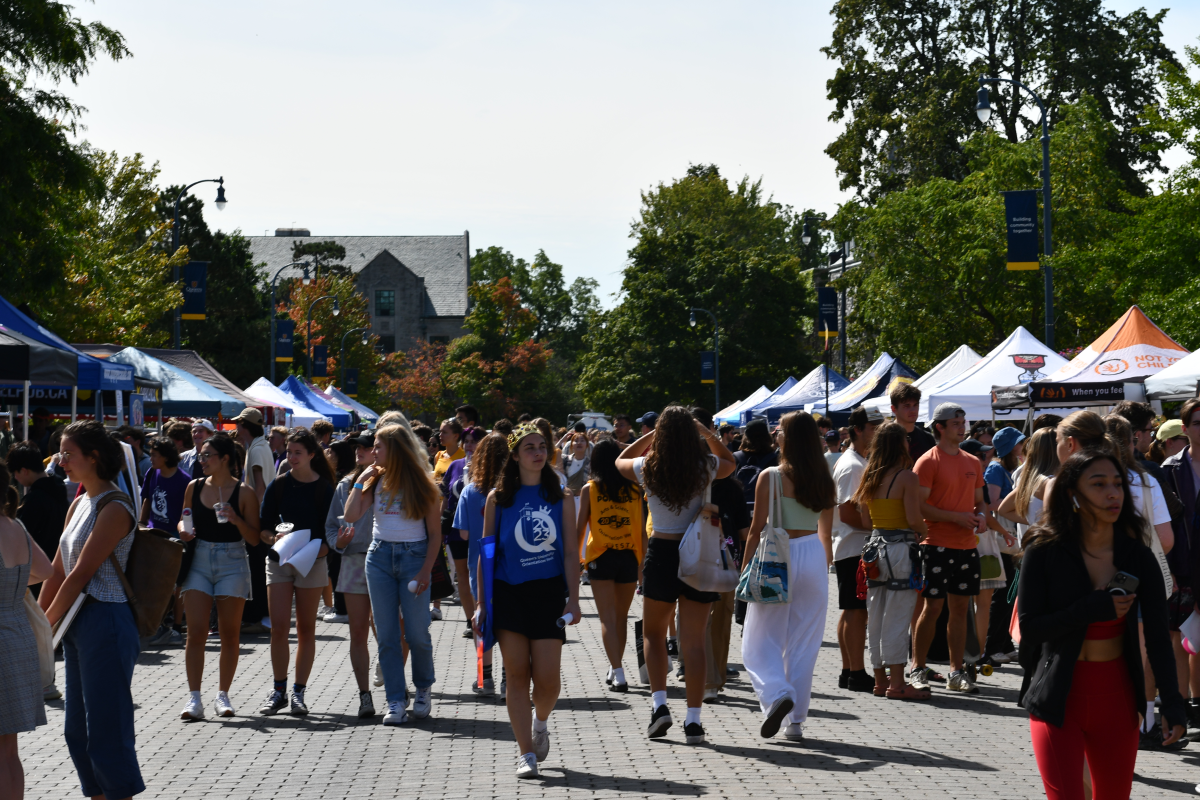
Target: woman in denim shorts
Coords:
[(224, 517)]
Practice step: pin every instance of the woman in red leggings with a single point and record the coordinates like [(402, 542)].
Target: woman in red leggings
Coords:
[(1079, 638)]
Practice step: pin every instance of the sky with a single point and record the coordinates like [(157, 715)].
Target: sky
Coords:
[(533, 125)]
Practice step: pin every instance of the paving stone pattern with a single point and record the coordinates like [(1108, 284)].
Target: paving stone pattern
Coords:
[(856, 745)]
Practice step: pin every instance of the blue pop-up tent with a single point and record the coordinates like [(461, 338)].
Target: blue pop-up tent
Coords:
[(871, 383), (183, 394), (811, 388), (293, 387), (747, 414), (93, 373), (364, 413)]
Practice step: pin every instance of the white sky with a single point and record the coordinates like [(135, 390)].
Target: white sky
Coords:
[(532, 125)]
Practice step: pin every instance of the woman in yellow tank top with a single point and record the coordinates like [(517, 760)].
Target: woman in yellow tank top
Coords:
[(889, 499), (612, 530)]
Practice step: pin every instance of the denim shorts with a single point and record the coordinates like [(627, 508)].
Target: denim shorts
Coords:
[(219, 569)]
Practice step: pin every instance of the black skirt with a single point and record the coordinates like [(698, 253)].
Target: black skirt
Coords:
[(531, 608)]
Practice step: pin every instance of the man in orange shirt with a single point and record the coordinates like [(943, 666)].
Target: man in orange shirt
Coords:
[(953, 507)]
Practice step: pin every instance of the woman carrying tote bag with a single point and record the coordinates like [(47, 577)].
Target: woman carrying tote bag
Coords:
[(780, 642)]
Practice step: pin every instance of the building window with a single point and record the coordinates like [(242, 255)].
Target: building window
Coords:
[(385, 303), (439, 340), (386, 344)]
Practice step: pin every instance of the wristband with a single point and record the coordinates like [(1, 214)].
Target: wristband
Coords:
[(359, 486)]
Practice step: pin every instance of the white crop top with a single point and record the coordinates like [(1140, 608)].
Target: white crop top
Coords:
[(665, 519), (391, 525)]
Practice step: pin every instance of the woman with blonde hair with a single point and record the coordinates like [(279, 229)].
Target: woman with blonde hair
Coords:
[(1041, 462), (406, 537), (780, 642)]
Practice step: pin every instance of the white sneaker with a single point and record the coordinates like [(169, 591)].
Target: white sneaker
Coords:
[(222, 706), (711, 696), (541, 744), (322, 611), (336, 617), (960, 682), (378, 674), (396, 715), (435, 613), (423, 704), (193, 710), (794, 732), (1000, 658), (527, 766), (51, 692)]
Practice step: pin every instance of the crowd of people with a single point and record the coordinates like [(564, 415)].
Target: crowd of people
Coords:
[(955, 543)]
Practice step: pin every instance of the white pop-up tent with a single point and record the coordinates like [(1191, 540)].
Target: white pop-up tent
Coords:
[(1177, 382), (948, 368), (1020, 358), (732, 413)]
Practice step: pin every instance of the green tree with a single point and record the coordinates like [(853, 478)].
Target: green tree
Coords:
[(699, 242), (328, 255), (43, 45), (906, 80), (235, 335)]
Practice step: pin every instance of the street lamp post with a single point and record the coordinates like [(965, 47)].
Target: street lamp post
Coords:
[(220, 203), (337, 309), (983, 108), (275, 280), (716, 351), (342, 353)]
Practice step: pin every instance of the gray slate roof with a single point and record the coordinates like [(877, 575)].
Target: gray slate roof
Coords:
[(442, 261)]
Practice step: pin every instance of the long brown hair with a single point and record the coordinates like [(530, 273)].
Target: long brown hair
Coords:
[(490, 456), (1087, 428), (305, 438), (1041, 462), (889, 451), (547, 430), (404, 475), (678, 467), (509, 481), (801, 456), (1061, 522)]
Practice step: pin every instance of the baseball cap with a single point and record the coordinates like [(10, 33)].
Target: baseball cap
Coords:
[(1006, 439), (946, 412), (648, 419), (832, 437), (874, 415), (976, 447), (1169, 430), (252, 415), (203, 423), (365, 439)]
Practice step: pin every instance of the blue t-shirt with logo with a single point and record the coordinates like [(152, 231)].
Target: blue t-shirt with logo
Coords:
[(166, 497), (529, 543)]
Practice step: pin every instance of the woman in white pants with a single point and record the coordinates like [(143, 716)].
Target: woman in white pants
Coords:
[(780, 642)]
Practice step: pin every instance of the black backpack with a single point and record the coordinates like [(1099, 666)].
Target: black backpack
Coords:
[(749, 467)]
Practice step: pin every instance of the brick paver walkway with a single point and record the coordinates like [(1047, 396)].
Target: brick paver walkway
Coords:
[(857, 745)]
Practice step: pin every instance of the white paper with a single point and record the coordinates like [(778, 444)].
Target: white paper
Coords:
[(61, 629), (299, 549)]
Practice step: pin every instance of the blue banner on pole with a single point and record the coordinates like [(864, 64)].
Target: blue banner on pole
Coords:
[(708, 366), (195, 284), (1020, 218), (350, 381), (320, 359), (827, 312), (285, 333)]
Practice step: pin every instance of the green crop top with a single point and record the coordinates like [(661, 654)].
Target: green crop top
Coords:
[(796, 517)]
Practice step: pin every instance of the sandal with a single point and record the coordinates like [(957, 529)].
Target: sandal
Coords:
[(909, 692), (880, 690)]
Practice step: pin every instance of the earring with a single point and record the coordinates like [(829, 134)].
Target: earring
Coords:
[(1075, 501)]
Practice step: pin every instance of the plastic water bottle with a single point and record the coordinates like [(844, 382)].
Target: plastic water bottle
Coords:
[(186, 519)]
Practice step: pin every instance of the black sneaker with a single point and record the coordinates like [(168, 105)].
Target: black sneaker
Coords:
[(673, 647), (1193, 715), (779, 709), (1151, 739), (276, 702), (679, 672), (694, 732), (660, 722), (860, 681), (843, 679), (730, 672)]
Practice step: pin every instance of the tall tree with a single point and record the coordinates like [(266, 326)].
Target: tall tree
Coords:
[(41, 45), (907, 73), (701, 243)]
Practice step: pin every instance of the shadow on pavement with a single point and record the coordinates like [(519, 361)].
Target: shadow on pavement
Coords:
[(558, 776)]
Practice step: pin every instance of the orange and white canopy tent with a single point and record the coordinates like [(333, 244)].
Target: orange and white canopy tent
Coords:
[(1133, 348)]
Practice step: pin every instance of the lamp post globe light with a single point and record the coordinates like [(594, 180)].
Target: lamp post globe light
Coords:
[(716, 351), (220, 204), (337, 309), (983, 109), (306, 281)]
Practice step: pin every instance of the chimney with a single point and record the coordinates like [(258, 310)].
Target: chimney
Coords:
[(293, 232)]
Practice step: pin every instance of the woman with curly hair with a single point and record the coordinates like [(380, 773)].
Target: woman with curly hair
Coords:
[(780, 642), (676, 477)]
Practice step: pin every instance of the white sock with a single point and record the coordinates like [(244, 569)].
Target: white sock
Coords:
[(618, 676), (539, 725), (196, 696), (658, 699), (693, 715), (1148, 722)]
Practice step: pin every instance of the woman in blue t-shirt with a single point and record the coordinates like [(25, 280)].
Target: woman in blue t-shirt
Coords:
[(530, 590), (471, 492)]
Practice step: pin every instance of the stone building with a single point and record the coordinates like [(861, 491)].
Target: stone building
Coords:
[(415, 286)]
